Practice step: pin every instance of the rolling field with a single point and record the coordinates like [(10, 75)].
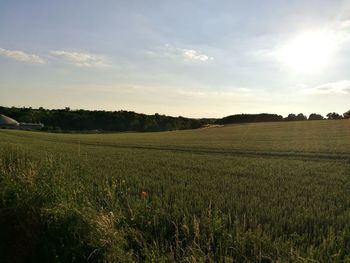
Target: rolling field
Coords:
[(261, 192)]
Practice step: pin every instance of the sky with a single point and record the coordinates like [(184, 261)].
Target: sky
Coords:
[(193, 58)]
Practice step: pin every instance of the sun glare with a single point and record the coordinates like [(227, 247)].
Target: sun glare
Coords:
[(308, 52)]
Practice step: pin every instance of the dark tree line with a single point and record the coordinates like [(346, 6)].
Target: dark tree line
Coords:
[(315, 117), (84, 120), (265, 117), (295, 117), (246, 118)]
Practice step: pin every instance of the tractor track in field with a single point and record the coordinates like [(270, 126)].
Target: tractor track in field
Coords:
[(244, 153), (299, 155), (247, 153)]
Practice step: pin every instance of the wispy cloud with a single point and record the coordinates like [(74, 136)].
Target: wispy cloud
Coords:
[(190, 54), (341, 87), (182, 54), (20, 55), (345, 24), (237, 92), (80, 59)]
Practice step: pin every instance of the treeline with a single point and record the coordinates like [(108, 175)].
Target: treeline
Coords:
[(245, 118), (315, 116), (266, 117), (85, 120)]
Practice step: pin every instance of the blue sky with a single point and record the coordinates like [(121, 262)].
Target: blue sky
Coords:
[(195, 58)]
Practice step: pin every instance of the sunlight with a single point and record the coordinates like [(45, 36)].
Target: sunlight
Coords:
[(309, 52)]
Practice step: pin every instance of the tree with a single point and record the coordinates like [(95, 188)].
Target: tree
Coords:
[(301, 117), (315, 116), (334, 116), (291, 117), (347, 115), (294, 117)]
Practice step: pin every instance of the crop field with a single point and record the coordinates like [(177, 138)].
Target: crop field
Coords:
[(266, 192)]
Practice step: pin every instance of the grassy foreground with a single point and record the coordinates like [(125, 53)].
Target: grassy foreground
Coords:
[(262, 192)]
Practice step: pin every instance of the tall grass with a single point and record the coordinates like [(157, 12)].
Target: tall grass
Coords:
[(76, 202)]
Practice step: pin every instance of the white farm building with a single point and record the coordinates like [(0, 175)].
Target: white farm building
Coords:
[(9, 123)]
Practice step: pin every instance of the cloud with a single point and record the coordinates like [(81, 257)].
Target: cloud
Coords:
[(190, 54), (80, 59), (22, 56), (341, 87), (112, 88), (182, 54), (301, 85), (237, 92), (345, 25)]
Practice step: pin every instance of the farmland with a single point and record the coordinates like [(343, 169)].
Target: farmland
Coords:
[(260, 192)]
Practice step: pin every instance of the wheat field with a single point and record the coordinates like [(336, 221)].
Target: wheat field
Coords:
[(266, 192)]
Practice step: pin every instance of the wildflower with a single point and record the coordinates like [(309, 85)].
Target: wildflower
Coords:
[(144, 194)]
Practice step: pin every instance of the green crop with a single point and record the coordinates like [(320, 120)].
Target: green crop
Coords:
[(263, 192)]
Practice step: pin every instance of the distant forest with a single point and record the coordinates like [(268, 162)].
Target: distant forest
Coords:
[(85, 120), (265, 117)]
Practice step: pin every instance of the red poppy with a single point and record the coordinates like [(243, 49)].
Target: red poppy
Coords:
[(144, 194)]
